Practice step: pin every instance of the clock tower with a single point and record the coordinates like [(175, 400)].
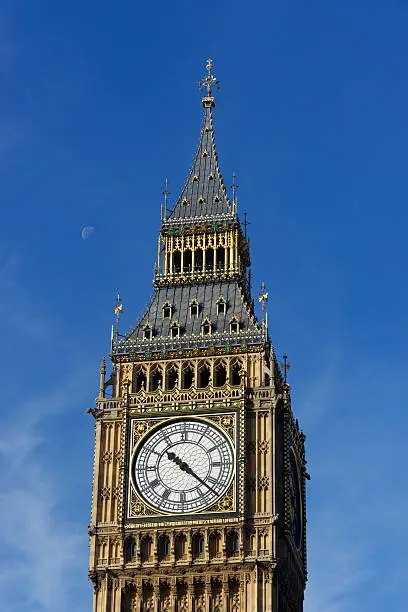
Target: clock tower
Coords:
[(198, 501)]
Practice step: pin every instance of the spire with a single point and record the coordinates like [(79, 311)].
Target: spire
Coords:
[(204, 193)]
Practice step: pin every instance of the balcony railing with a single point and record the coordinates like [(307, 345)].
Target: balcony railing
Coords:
[(180, 395), (190, 341)]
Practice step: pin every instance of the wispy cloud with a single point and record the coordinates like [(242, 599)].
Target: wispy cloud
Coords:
[(40, 556), (354, 500)]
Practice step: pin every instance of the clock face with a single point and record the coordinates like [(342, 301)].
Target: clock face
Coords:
[(295, 501), (183, 466)]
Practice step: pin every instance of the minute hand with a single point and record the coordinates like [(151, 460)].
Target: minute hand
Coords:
[(190, 471)]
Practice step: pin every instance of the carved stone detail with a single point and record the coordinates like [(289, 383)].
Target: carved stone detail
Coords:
[(263, 483), (263, 446)]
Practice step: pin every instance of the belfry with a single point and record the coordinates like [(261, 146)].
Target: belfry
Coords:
[(198, 500)]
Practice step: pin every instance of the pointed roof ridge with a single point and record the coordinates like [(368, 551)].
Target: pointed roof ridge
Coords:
[(204, 193)]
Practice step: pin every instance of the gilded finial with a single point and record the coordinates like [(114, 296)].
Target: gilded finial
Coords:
[(207, 84), (117, 309), (263, 296)]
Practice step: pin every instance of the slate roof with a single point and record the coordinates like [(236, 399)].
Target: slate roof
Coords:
[(203, 198), (204, 193), (180, 297)]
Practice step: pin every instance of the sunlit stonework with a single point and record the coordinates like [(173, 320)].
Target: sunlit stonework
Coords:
[(198, 500)]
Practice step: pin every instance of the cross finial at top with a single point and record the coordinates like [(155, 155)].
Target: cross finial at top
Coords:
[(209, 81)]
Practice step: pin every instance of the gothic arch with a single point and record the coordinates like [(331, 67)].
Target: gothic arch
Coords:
[(220, 373), (146, 548), (155, 377), (187, 375), (172, 374), (203, 374), (180, 546), (139, 379), (215, 545)]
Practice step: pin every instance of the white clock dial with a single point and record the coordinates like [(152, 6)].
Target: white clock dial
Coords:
[(183, 466)]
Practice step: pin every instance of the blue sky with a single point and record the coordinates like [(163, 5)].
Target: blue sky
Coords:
[(98, 105)]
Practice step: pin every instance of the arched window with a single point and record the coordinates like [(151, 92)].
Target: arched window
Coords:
[(187, 260), (180, 546), (198, 546), (187, 378), (131, 550), (148, 332), (232, 544), (177, 261), (215, 545), (206, 327), (221, 305), (167, 310), (134, 550), (234, 325), (175, 330), (235, 374), (198, 260), (220, 375), (203, 376), (155, 378), (139, 380), (209, 259), (163, 547), (194, 308), (172, 378), (220, 258), (146, 549)]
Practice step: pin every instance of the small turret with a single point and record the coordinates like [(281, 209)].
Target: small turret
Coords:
[(102, 378)]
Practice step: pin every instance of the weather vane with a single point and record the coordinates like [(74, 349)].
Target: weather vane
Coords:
[(285, 365), (209, 80)]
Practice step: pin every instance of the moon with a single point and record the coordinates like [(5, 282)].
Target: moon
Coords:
[(87, 231)]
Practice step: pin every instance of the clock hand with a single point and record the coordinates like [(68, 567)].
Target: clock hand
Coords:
[(186, 468), (203, 482)]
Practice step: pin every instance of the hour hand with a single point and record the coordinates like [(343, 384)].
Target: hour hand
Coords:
[(186, 468), (182, 464)]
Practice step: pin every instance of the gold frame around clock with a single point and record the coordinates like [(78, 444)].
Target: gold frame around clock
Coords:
[(226, 422)]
